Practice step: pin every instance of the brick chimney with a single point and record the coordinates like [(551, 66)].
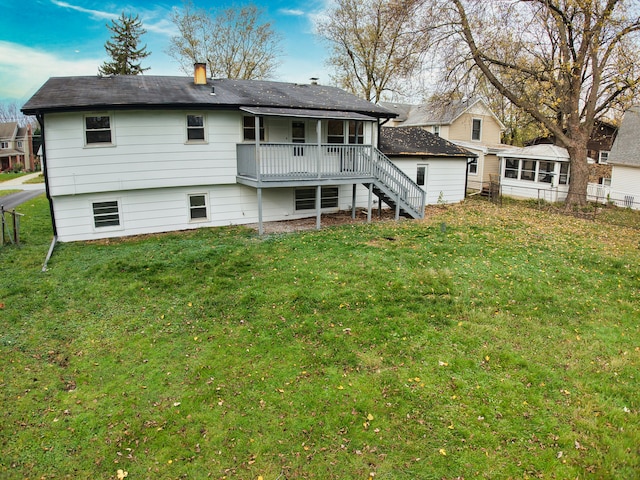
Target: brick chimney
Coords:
[(200, 73)]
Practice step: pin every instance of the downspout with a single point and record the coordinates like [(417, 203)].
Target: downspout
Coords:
[(466, 176), (45, 172)]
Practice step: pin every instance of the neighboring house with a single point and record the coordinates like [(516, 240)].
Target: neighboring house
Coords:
[(625, 162), (538, 171), (436, 164), (126, 155), (16, 147), (598, 148), (470, 124)]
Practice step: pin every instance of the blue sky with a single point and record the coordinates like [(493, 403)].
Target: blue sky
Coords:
[(51, 38)]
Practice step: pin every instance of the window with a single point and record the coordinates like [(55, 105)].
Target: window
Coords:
[(564, 174), (97, 130), (511, 168), (306, 198), (249, 128), (545, 172), (198, 207), (603, 157), (4, 144), (421, 176), (436, 130), (106, 214), (195, 128), (356, 132), (606, 182), (298, 136), (476, 129), (473, 166), (335, 131), (20, 144), (528, 171)]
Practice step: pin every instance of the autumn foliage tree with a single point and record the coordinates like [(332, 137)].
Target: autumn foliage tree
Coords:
[(566, 63), (377, 45), (123, 47), (234, 42)]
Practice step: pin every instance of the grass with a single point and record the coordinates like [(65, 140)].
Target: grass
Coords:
[(4, 176), (482, 342), (38, 179), (7, 192)]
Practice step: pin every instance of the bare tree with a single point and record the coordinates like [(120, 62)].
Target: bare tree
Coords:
[(566, 63), (10, 112), (377, 45), (235, 43)]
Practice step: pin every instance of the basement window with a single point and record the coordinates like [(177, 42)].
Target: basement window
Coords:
[(198, 208), (306, 198), (106, 214)]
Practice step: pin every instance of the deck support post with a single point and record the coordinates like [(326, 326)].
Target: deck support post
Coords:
[(318, 205), (260, 226), (370, 206), (398, 206), (353, 201), (319, 151)]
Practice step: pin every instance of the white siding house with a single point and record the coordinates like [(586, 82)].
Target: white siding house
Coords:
[(539, 171), (438, 166), (128, 155), (625, 160)]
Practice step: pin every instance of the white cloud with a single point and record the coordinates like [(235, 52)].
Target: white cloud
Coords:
[(291, 12), (97, 14), (23, 69)]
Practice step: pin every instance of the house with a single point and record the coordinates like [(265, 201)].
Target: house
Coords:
[(625, 162), (436, 164), (598, 148), (537, 171), (470, 124), (16, 147), (128, 155)]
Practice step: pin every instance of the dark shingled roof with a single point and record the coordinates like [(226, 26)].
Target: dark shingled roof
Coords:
[(62, 94), (415, 141)]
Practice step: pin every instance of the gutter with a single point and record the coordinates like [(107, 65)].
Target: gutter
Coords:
[(45, 171)]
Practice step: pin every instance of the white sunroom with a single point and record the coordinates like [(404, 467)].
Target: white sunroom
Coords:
[(538, 171)]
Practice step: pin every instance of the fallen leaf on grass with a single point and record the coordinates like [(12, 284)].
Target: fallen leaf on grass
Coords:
[(121, 474)]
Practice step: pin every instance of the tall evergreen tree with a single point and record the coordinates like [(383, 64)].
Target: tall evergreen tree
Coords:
[(123, 47)]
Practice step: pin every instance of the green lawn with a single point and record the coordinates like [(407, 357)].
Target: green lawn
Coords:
[(483, 342), (4, 176)]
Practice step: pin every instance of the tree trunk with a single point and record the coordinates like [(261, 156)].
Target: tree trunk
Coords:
[(579, 171)]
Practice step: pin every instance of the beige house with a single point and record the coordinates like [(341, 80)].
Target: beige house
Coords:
[(16, 147), (470, 124)]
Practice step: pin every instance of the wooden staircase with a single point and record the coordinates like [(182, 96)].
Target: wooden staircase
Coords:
[(393, 187)]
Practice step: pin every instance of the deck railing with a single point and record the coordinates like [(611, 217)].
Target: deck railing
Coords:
[(278, 161), (302, 161)]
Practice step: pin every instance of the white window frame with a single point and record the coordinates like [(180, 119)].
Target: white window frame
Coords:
[(202, 127), (436, 130), (95, 216), (473, 163), (111, 130), (421, 175), (473, 121), (4, 144), (249, 126), (191, 208), (605, 154)]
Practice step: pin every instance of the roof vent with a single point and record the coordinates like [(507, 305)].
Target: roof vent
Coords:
[(200, 73), (314, 80)]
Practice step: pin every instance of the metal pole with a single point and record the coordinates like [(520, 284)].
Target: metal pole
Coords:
[(318, 206)]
